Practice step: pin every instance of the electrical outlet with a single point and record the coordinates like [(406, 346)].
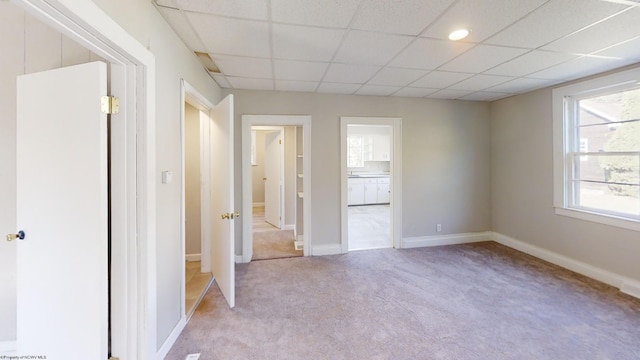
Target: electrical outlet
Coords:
[(439, 227)]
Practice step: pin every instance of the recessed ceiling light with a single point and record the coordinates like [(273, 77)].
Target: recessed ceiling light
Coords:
[(458, 34)]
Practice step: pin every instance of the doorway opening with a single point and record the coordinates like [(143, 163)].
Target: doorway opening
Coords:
[(274, 151), (195, 205), (275, 168), (370, 183)]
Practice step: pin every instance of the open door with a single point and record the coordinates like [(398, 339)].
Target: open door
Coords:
[(273, 182), (62, 206), (222, 205)]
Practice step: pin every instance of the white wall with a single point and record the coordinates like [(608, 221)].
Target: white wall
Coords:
[(27, 46), (446, 158), (192, 180), (522, 188)]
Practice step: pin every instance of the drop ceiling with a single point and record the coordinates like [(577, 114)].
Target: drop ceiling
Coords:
[(401, 47)]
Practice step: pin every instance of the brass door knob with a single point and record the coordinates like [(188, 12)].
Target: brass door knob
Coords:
[(20, 235)]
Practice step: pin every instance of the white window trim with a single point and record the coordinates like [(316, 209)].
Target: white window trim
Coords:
[(561, 145)]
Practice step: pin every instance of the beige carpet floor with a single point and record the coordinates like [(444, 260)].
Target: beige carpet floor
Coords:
[(472, 301), (274, 245)]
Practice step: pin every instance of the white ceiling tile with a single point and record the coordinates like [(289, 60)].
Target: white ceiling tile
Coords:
[(534, 61), (329, 13), (232, 37), (483, 18), (304, 86), (377, 90), (251, 84), (554, 20), (440, 79), (580, 67), (408, 17), (334, 88), (183, 28), (485, 96), (429, 53), (244, 66), (370, 48), (299, 70), (247, 9), (305, 43), (396, 76), (355, 74), (481, 58), (521, 85), (414, 92), (619, 28), (625, 50), (480, 82), (449, 94), (221, 80)]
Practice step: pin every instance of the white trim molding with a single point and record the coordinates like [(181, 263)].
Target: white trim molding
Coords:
[(171, 339), (322, 250), (8, 348), (192, 257), (626, 285), (451, 239), (239, 259)]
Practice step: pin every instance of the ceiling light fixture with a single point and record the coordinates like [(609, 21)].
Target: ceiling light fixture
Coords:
[(458, 34)]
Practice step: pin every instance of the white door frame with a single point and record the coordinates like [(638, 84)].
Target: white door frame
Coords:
[(395, 176), (282, 162), (133, 278), (248, 121), (190, 95)]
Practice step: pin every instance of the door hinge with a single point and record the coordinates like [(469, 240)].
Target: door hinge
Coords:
[(110, 105)]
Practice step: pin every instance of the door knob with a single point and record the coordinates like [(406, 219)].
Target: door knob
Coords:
[(226, 216), (235, 214), (20, 235)]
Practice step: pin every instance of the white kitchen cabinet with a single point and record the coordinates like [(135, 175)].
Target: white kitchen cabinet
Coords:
[(363, 191), (384, 191), (371, 191), (355, 192), (381, 148)]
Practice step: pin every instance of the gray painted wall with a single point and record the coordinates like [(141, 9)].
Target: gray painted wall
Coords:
[(522, 190), (446, 158)]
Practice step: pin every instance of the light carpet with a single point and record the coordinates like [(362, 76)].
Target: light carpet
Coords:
[(472, 301), (274, 245)]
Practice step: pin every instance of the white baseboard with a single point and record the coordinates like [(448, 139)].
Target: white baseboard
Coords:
[(8, 348), (171, 339), (289, 227), (452, 239), (258, 204), (321, 250), (626, 285), (192, 257), (239, 259)]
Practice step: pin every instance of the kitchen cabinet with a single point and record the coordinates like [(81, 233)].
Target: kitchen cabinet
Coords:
[(364, 191), (381, 148), (384, 191)]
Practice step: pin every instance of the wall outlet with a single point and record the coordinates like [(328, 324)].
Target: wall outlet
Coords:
[(439, 227)]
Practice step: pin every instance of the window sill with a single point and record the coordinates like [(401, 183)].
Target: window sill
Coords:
[(599, 218)]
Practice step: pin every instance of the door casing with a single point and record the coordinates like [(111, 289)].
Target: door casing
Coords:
[(133, 304)]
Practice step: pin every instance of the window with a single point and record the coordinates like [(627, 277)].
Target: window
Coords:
[(359, 150), (597, 149)]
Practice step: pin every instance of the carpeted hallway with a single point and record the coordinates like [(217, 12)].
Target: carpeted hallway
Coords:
[(473, 301)]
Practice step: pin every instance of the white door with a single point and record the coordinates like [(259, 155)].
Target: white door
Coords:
[(62, 207), (273, 182), (222, 205)]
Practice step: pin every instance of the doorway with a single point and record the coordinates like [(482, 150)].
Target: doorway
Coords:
[(195, 192), (371, 191), (283, 232)]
